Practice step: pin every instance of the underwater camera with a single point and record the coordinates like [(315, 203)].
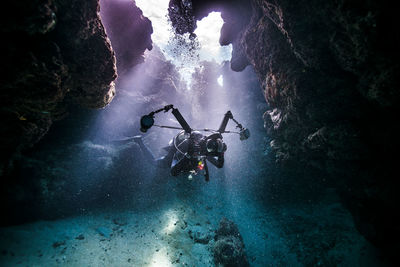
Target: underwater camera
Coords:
[(195, 161), (146, 122), (244, 134)]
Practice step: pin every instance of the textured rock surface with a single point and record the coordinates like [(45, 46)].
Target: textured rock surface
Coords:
[(236, 15), (322, 70), (128, 30), (73, 168), (52, 50), (228, 249), (328, 71)]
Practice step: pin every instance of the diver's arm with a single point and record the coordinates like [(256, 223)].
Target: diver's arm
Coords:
[(217, 162)]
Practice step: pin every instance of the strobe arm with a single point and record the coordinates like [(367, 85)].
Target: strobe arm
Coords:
[(165, 109), (147, 121), (181, 120), (243, 132), (222, 127)]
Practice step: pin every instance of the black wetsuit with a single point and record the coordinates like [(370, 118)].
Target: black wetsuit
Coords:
[(183, 158)]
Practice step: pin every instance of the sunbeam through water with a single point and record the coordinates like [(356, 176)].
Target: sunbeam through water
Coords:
[(184, 53), (191, 163)]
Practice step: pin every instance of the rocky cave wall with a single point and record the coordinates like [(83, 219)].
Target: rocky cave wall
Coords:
[(54, 51), (329, 72), (129, 32), (58, 66), (81, 165), (56, 55)]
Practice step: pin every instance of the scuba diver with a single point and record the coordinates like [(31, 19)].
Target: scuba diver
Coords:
[(189, 151)]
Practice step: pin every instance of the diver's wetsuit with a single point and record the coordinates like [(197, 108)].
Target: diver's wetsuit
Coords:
[(177, 160)]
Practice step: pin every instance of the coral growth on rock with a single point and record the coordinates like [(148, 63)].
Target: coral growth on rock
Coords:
[(322, 67), (228, 249), (328, 72), (57, 55), (328, 69), (53, 50), (129, 32), (46, 181)]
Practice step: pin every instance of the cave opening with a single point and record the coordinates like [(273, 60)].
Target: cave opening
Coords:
[(87, 188)]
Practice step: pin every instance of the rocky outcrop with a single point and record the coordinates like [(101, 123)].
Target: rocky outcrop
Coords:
[(74, 169), (328, 71), (322, 67), (236, 15), (129, 32), (54, 52), (312, 69), (228, 249)]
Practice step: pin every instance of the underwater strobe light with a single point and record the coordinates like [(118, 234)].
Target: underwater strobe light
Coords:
[(244, 134), (146, 122)]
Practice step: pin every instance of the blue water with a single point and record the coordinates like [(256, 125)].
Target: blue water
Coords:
[(111, 207)]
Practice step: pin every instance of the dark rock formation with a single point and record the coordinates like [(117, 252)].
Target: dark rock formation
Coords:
[(236, 15), (56, 55), (54, 52), (329, 74), (322, 70), (228, 249), (79, 165), (129, 32)]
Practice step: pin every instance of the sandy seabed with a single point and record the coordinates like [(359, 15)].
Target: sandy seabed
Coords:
[(161, 234)]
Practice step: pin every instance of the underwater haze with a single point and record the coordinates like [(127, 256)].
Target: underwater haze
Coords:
[(93, 198)]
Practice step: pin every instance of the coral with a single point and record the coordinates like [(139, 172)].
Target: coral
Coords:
[(45, 180), (227, 228), (328, 72), (57, 56), (326, 79), (228, 249)]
